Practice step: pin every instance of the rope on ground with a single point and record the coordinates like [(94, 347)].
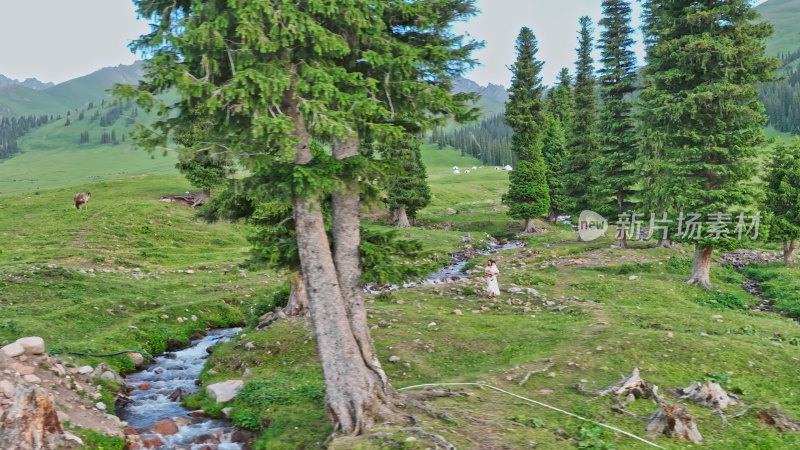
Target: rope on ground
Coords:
[(535, 402)]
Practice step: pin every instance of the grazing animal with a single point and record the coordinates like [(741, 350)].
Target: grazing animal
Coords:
[(81, 199)]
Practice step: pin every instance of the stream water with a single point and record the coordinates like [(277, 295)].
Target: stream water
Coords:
[(176, 373)]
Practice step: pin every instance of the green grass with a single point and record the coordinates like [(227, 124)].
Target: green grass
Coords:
[(69, 276)]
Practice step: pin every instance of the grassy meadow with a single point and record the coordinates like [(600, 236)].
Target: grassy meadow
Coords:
[(119, 274)]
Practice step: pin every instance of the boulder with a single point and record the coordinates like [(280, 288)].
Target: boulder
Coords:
[(137, 358), (7, 388), (165, 428), (151, 441), (33, 345), (224, 391), (31, 378), (85, 370), (13, 349)]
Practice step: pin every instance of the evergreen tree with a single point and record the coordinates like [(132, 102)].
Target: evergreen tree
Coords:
[(783, 197), (408, 192), (701, 110), (583, 144), (338, 73), (528, 196), (614, 170), (559, 108)]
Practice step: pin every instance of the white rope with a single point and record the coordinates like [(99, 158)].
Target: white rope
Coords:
[(536, 402)]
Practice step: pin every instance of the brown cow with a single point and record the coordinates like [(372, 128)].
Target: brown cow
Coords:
[(81, 199)]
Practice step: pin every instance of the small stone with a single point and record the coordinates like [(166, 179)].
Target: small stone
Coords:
[(164, 316), (394, 359), (31, 378), (144, 387), (407, 365), (457, 312), (411, 439), (599, 348), (194, 318), (601, 277), (633, 277), (183, 421), (227, 412), (551, 374), (165, 427), (670, 334), (249, 346), (100, 405), (85, 370), (432, 324), (189, 271), (108, 375), (7, 388), (62, 416), (179, 319), (71, 437), (703, 334)]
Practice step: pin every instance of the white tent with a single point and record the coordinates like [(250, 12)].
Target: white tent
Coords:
[(466, 171), (456, 171), (507, 167), (455, 167)]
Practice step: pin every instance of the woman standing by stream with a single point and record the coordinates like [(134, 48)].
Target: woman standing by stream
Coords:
[(491, 272)]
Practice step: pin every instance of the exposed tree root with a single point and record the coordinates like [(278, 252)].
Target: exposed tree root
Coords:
[(779, 419), (430, 394), (632, 384), (438, 441), (550, 363)]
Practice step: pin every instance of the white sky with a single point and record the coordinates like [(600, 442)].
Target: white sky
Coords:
[(58, 40)]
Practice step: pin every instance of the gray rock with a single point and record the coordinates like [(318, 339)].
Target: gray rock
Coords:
[(394, 359), (85, 370), (13, 349), (224, 391), (32, 344), (100, 405), (227, 412), (31, 378)]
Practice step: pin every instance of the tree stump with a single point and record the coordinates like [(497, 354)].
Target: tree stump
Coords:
[(674, 421), (708, 394), (779, 419)]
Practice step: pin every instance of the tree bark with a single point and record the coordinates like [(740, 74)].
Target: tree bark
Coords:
[(347, 241), (298, 296), (530, 227), (701, 266), (401, 218), (788, 251), (553, 216), (622, 238)]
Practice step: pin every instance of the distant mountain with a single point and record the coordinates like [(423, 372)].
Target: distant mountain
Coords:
[(25, 98), (32, 83), (492, 97), (784, 15)]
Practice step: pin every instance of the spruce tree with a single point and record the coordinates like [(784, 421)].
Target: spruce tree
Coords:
[(269, 90), (783, 197), (409, 191), (614, 170), (701, 110), (559, 107), (583, 143), (528, 196)]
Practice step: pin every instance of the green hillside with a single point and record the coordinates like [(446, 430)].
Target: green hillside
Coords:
[(785, 15), (19, 100), (52, 155)]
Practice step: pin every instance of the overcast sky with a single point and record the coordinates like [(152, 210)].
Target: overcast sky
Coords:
[(58, 40)]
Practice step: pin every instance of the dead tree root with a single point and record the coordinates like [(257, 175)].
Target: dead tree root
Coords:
[(550, 363)]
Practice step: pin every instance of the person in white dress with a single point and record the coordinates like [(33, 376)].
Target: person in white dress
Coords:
[(491, 272)]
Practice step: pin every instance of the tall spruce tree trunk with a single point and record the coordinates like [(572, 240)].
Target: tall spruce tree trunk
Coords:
[(298, 296), (622, 238), (530, 227), (356, 394), (701, 266), (552, 216), (401, 218), (788, 251)]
